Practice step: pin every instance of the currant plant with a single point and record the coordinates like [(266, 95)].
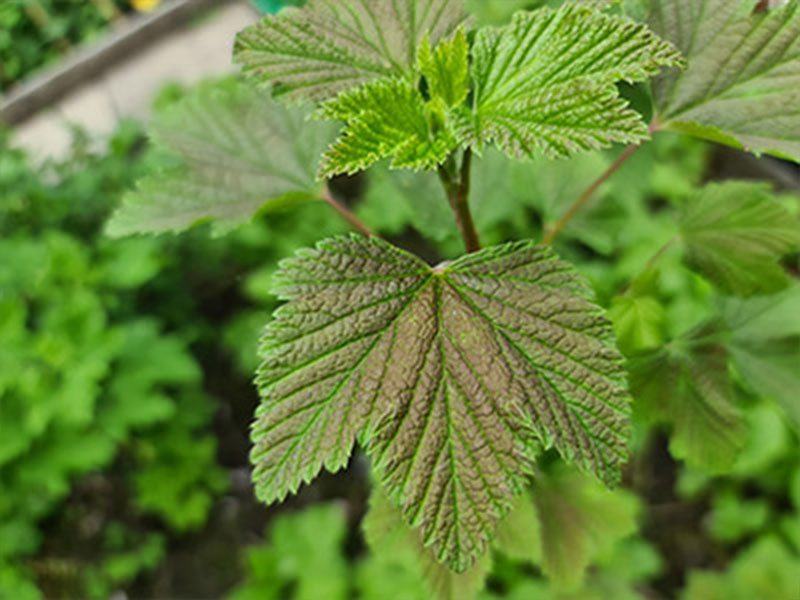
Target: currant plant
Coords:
[(457, 378)]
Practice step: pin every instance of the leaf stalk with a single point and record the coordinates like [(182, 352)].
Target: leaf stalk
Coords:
[(346, 213), (456, 187)]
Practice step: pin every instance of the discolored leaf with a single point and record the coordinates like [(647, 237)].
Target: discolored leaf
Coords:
[(241, 153), (742, 83), (546, 81), (735, 233), (451, 376), (686, 384), (333, 45), (384, 119)]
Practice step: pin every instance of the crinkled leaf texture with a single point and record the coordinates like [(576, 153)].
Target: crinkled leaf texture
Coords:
[(742, 84), (385, 118), (241, 152), (686, 384), (333, 45), (546, 81), (452, 377), (735, 233)]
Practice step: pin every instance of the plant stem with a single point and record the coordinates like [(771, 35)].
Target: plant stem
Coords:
[(457, 189), (587, 194), (346, 213)]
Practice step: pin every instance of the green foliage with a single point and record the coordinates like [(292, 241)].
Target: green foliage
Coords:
[(240, 154), (740, 86), (33, 34), (559, 96), (304, 555), (509, 327), (384, 119), (458, 379), (735, 233), (82, 374), (324, 48)]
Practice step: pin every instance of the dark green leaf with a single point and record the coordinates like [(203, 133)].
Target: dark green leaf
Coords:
[(742, 84), (333, 45), (735, 233)]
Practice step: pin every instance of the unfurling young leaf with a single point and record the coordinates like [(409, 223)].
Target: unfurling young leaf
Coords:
[(735, 234), (330, 45), (446, 69), (742, 83), (241, 153), (686, 384), (385, 118), (452, 377), (546, 82)]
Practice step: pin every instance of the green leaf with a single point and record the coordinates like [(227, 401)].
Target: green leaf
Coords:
[(579, 518), (241, 153), (742, 84), (546, 82), (735, 233), (333, 45), (686, 384), (384, 119), (446, 69), (638, 322), (387, 535), (519, 535), (450, 375), (765, 346)]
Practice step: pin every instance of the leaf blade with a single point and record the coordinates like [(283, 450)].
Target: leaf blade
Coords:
[(375, 344), (241, 153), (750, 100), (325, 48)]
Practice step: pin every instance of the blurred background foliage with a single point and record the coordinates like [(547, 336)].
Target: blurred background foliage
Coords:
[(125, 394)]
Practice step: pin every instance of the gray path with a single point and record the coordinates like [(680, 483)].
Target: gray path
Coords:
[(196, 52)]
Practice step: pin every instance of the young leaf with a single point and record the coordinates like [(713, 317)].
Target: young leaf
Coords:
[(241, 152), (333, 45), (446, 69), (387, 534), (742, 85), (546, 81), (686, 383), (735, 233), (450, 375), (385, 118)]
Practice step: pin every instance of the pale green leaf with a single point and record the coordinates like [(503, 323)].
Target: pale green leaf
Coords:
[(388, 535), (686, 384), (546, 82), (742, 83), (735, 233), (519, 535), (384, 119), (765, 347), (451, 376), (241, 152), (330, 46), (446, 69), (638, 321), (579, 518)]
